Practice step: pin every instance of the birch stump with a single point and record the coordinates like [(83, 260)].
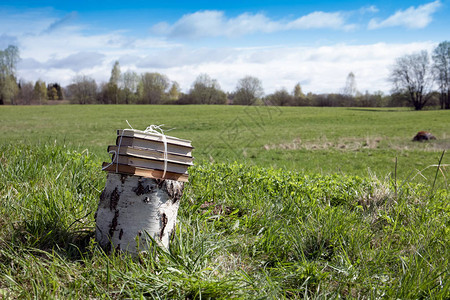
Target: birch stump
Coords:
[(131, 208)]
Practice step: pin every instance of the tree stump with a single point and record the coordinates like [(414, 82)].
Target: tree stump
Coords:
[(132, 208)]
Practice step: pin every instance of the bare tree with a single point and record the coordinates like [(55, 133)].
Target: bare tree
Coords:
[(206, 90), (83, 90), (248, 90), (26, 92), (441, 67), (130, 81), (411, 74)]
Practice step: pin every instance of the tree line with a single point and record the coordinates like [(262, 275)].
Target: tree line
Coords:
[(418, 80)]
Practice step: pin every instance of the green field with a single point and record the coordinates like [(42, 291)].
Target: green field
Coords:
[(291, 202), (321, 140)]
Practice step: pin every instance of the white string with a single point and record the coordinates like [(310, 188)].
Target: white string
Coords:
[(112, 160), (115, 157), (129, 124), (155, 129)]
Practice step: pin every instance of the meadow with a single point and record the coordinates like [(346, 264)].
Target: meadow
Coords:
[(292, 202), (320, 140)]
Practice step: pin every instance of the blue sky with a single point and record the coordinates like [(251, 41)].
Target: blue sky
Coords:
[(315, 43)]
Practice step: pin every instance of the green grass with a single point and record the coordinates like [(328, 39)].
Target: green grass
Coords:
[(321, 140), (243, 232), (317, 218)]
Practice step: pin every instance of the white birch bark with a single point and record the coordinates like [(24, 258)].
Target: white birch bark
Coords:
[(132, 207)]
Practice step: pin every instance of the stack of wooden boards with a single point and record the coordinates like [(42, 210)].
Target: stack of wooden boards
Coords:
[(151, 155)]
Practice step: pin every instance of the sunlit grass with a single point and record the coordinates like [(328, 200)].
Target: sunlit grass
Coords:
[(308, 139), (244, 232)]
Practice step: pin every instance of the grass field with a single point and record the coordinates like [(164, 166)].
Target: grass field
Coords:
[(282, 203), (322, 140)]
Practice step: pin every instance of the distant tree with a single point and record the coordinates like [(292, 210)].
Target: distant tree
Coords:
[(398, 99), (55, 91), (83, 89), (26, 92), (102, 96), (441, 67), (130, 81), (40, 91), (174, 91), (206, 90), (298, 93), (332, 100), (113, 85), (299, 97), (248, 90), (411, 74), (8, 85), (52, 94), (350, 86), (8, 89), (60, 90), (153, 88), (115, 74), (370, 100), (280, 98)]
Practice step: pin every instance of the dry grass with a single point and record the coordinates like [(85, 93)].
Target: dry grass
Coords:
[(380, 194), (356, 144), (347, 144)]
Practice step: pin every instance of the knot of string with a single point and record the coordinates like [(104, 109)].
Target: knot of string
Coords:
[(156, 129)]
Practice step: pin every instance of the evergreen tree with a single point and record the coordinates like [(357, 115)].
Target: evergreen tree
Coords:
[(40, 91)]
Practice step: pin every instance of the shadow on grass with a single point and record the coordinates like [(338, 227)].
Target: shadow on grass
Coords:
[(70, 242), (378, 110)]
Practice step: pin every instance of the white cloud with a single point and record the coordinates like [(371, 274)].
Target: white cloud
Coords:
[(368, 9), (32, 22), (319, 19), (58, 56), (78, 61), (6, 40), (412, 17), (319, 69), (183, 56), (214, 23), (61, 22), (75, 62)]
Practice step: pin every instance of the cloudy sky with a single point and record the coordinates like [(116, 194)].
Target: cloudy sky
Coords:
[(282, 42)]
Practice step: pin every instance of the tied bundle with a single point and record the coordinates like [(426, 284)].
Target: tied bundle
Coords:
[(150, 153)]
